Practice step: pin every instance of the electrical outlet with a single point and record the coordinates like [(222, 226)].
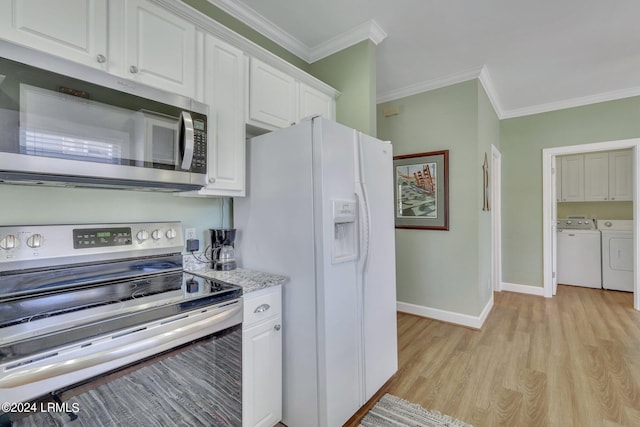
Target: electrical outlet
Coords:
[(189, 233)]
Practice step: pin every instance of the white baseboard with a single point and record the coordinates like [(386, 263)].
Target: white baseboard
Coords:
[(523, 289), (475, 322)]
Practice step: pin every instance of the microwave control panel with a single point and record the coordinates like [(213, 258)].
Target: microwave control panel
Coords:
[(199, 163)]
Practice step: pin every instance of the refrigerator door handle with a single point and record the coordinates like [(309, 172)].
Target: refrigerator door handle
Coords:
[(365, 229)]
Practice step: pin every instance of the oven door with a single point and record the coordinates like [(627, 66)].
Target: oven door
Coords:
[(198, 384), (47, 371)]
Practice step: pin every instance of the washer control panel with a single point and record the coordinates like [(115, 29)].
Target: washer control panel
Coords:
[(576, 223)]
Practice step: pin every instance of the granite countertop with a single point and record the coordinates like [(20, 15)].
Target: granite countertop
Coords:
[(249, 280)]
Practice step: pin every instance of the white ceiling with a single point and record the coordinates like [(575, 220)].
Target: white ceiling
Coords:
[(530, 55)]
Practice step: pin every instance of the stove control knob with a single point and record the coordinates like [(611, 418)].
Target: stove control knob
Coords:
[(142, 235), (156, 234), (35, 241), (171, 233), (9, 242)]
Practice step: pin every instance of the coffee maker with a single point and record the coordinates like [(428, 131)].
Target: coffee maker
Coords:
[(223, 254)]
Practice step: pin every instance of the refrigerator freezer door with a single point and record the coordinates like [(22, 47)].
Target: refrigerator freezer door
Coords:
[(275, 234), (379, 279), (339, 344)]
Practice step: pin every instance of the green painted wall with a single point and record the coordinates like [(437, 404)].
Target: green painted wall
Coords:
[(49, 205), (608, 210), (442, 269), (244, 30), (352, 71), (522, 141)]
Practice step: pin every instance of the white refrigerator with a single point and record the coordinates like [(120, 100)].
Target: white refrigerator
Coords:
[(319, 209)]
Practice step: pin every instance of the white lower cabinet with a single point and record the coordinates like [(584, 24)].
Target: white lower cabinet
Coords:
[(262, 358)]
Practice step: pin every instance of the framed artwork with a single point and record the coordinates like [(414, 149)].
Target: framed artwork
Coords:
[(421, 187)]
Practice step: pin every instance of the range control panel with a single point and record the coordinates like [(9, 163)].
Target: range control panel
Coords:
[(41, 245)]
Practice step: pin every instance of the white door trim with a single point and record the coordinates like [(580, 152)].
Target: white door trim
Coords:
[(496, 218), (548, 202)]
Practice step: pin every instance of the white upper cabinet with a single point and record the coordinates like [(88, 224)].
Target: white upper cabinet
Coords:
[(73, 29), (313, 102), (621, 175), (273, 96), (596, 177), (224, 79), (572, 178), (159, 47)]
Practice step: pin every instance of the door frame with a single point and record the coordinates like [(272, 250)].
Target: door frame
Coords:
[(496, 218), (549, 200)]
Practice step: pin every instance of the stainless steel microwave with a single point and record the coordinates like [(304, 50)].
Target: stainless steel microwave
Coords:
[(94, 129)]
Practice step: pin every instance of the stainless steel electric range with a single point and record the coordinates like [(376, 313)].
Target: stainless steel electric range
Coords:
[(81, 301)]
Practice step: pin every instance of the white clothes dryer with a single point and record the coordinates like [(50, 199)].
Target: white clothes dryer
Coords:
[(617, 254)]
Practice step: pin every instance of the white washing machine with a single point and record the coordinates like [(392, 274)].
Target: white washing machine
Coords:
[(617, 254), (578, 258)]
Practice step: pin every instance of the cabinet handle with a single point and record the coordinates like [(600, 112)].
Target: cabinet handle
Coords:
[(101, 58), (212, 180), (613, 198), (261, 308), (133, 69), (277, 327)]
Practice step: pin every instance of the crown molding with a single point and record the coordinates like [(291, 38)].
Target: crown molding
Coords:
[(490, 90), (428, 85), (482, 74), (251, 49), (369, 30), (572, 103), (366, 31), (257, 22)]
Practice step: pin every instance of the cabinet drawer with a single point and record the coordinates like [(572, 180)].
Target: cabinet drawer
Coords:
[(263, 305)]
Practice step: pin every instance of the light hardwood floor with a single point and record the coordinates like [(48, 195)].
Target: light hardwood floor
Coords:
[(571, 360)]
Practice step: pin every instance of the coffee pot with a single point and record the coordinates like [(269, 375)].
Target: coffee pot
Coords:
[(223, 254)]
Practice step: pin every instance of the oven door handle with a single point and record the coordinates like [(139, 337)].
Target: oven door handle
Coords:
[(39, 373)]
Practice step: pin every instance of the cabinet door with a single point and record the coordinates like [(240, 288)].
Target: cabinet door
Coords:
[(596, 177), (72, 29), (620, 175), (272, 96), (159, 48), (314, 102), (262, 374), (573, 178), (224, 92)]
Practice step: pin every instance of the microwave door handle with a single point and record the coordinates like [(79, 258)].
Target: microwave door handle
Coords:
[(186, 124)]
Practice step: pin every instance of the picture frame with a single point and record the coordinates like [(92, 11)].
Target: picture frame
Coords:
[(421, 190)]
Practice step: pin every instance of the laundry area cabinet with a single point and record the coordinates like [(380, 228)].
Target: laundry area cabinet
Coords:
[(591, 177)]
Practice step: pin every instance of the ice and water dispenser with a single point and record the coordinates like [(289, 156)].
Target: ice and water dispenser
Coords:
[(345, 232)]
